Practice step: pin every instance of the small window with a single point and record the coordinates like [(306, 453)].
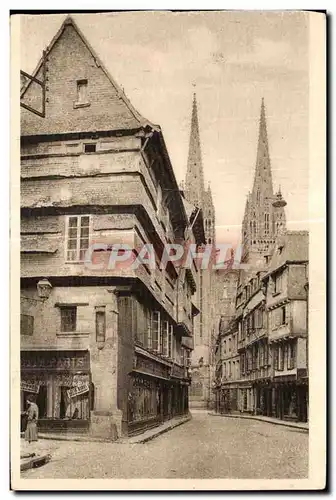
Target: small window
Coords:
[(26, 324), (100, 325), (68, 319), (90, 148), (283, 315), (82, 97)]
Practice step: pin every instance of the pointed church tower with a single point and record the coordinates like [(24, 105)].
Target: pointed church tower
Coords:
[(194, 184), (195, 191), (196, 194), (264, 216), (209, 217)]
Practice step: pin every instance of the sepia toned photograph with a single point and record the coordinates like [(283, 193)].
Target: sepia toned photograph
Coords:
[(170, 201)]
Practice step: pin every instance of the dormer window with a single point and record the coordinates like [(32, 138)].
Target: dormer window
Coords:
[(82, 96), (82, 99)]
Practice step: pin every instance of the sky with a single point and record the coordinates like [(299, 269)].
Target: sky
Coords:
[(231, 60)]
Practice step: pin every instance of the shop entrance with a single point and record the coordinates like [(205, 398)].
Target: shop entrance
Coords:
[(41, 401)]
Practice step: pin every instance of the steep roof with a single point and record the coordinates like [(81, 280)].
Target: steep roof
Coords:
[(70, 57), (293, 246)]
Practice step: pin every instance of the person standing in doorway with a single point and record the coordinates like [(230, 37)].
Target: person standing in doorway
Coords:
[(32, 418)]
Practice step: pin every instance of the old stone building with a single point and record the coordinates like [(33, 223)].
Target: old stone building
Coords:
[(196, 193), (104, 345), (287, 310), (268, 337)]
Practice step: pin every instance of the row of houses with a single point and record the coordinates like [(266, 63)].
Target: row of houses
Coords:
[(261, 351), (262, 355)]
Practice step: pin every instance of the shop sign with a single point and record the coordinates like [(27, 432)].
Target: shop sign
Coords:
[(33, 387), (78, 390), (57, 361), (151, 367)]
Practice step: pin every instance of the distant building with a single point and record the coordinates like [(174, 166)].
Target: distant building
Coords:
[(197, 195), (110, 345)]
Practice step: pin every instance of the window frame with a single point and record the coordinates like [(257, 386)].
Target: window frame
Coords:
[(156, 347), (100, 312), (82, 83), (62, 310), (78, 249), (89, 144)]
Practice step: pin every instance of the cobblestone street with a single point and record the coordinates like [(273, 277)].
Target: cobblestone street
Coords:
[(205, 447)]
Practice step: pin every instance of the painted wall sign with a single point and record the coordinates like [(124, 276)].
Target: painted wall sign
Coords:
[(55, 361)]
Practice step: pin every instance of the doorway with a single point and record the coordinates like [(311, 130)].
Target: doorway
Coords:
[(42, 401)]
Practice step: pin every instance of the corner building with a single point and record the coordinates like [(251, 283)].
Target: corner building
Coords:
[(105, 350)]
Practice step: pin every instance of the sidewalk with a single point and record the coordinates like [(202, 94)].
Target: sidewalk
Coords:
[(156, 431), (141, 438), (295, 425)]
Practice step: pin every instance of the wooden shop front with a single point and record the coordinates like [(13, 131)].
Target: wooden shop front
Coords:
[(61, 384)]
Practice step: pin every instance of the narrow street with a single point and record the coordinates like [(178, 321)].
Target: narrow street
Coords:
[(206, 447)]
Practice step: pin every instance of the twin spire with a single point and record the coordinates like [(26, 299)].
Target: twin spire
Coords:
[(194, 184), (263, 174)]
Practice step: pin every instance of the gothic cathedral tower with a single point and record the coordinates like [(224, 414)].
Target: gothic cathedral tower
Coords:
[(196, 194), (262, 220), (195, 191)]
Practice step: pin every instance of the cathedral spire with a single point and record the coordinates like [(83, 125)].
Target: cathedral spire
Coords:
[(194, 185), (264, 216), (263, 175)]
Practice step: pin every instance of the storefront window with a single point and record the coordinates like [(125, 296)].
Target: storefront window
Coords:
[(144, 399), (60, 382)]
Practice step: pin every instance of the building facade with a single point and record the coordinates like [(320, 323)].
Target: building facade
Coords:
[(105, 343)]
